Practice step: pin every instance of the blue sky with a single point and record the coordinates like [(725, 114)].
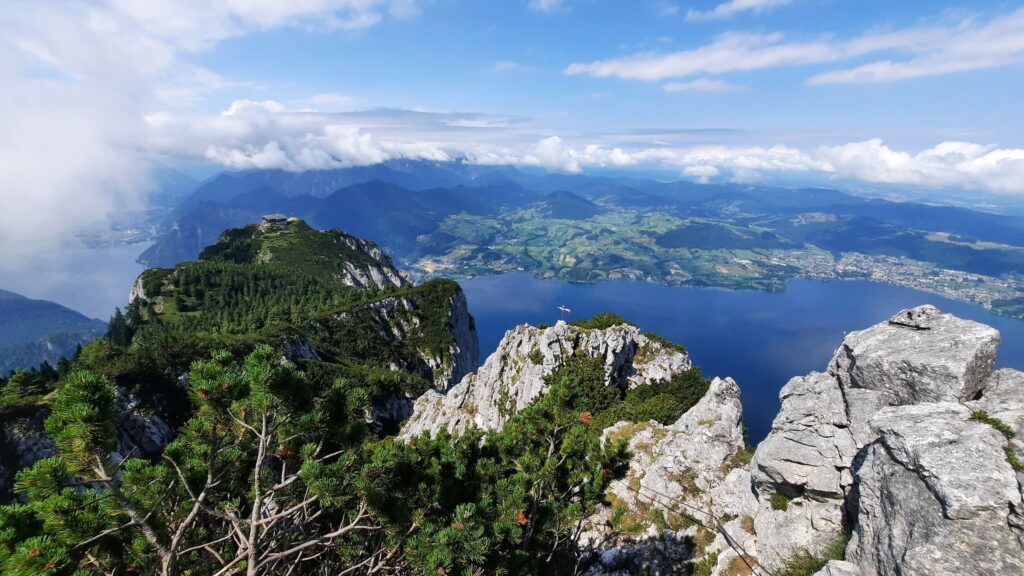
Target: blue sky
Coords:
[(502, 58), (916, 95)]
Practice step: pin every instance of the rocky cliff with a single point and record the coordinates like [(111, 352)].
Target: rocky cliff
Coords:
[(401, 320), (902, 457), (906, 446), (514, 374)]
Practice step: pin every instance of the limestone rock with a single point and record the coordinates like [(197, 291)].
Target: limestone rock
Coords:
[(383, 274), (848, 443), (139, 434), (839, 568), (513, 376), (299, 349), (919, 318), (23, 441), (947, 362), (689, 457), (683, 469), (1002, 397), (138, 291), (935, 495), (810, 443)]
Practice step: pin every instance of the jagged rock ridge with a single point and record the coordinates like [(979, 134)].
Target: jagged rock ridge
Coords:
[(887, 444), (891, 445), (514, 374)]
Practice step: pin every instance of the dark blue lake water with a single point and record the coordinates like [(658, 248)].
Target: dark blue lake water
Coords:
[(761, 339)]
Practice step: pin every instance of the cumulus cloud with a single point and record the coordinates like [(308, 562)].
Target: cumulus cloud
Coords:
[(923, 50), (268, 134), (949, 164), (80, 80), (733, 7)]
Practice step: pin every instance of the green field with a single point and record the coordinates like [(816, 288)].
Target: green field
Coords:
[(618, 244)]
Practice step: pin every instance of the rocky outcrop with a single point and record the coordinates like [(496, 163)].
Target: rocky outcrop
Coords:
[(936, 495), (24, 442), (883, 444), (677, 472), (907, 441), (384, 275), (514, 374), (138, 291), (138, 433), (933, 358), (839, 568)]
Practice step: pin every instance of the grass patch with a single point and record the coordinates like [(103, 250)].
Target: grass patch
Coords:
[(803, 563), (1011, 457), (600, 321), (706, 565), (740, 459), (780, 502), (625, 520), (1002, 427), (665, 342), (536, 356), (741, 566)]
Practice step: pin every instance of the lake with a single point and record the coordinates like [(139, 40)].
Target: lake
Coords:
[(760, 339), (92, 281)]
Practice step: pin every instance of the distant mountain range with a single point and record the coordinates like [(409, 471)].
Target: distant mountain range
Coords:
[(397, 202), (462, 219), (33, 331)]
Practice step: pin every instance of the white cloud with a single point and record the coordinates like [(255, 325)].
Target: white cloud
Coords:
[(198, 24), (733, 7), (925, 50), (703, 174), (267, 134), (702, 85), (730, 52), (936, 51), (81, 78), (506, 65), (949, 164), (545, 5), (666, 8)]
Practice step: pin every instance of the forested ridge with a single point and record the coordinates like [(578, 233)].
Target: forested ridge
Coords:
[(275, 467)]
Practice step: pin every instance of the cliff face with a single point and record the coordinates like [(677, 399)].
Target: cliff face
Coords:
[(888, 444), (381, 274), (885, 440), (403, 322), (900, 455), (514, 374)]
